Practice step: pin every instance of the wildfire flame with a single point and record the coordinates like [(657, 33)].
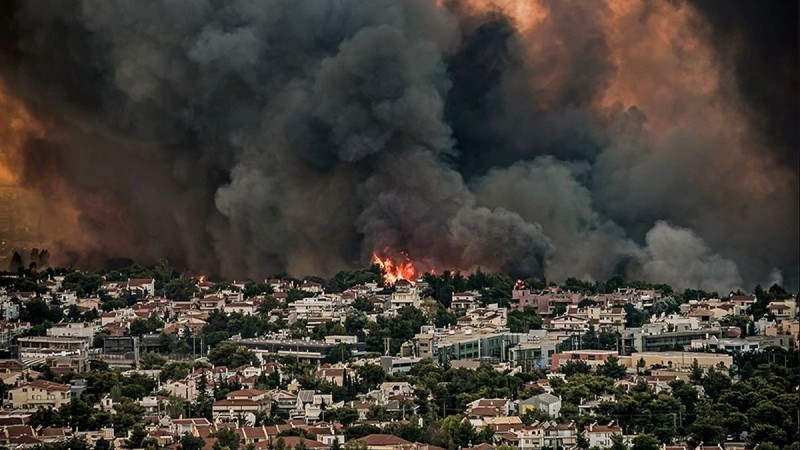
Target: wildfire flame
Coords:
[(396, 270), (201, 278)]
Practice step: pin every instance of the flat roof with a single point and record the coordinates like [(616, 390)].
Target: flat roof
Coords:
[(65, 340)]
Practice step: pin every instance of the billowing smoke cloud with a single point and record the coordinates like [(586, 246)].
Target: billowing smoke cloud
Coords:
[(681, 258), (246, 138)]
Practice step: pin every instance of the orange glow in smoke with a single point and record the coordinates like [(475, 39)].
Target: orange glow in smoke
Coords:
[(201, 279), (16, 126), (396, 270)]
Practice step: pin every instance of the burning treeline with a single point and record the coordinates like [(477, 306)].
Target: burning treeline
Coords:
[(534, 137)]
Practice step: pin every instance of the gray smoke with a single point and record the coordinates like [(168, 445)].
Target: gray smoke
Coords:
[(248, 138)]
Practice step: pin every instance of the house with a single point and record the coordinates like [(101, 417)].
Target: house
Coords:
[(84, 330), (184, 389), (312, 287), (393, 388), (557, 435), (463, 301), (784, 310), (39, 393), (179, 427), (489, 407), (405, 294), (245, 308), (742, 302), (593, 358), (386, 442), (145, 286), (546, 402), (242, 404), (600, 435), (333, 375), (295, 441), (211, 303)]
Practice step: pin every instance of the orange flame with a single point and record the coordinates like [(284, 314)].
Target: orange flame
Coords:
[(396, 270), (201, 279)]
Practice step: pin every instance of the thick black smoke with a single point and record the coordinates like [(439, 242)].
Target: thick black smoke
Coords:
[(256, 137)]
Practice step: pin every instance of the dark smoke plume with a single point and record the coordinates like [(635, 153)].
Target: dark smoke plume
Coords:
[(247, 138)]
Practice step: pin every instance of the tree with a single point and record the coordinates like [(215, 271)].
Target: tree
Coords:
[(84, 284), (138, 434), (645, 442), (371, 375), (151, 360), (346, 415), (696, 374), (128, 413), (524, 321), (76, 414), (457, 432), (230, 354), (339, 353), (228, 437), (189, 442), (590, 339), (180, 289), (618, 443), (582, 442), (573, 367), (102, 444), (255, 288), (611, 368)]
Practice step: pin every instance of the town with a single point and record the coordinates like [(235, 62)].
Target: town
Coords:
[(146, 357)]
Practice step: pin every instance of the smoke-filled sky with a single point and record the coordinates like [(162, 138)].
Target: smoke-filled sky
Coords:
[(653, 139)]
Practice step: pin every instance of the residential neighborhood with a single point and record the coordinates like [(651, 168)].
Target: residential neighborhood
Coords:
[(118, 359)]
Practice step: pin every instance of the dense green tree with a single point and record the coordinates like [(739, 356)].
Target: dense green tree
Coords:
[(524, 321), (228, 437), (256, 288), (457, 432), (37, 311), (346, 415), (618, 442), (611, 368), (371, 375), (635, 318), (137, 435), (84, 284), (577, 366), (645, 442), (77, 414), (189, 442), (231, 355), (180, 289), (128, 413)]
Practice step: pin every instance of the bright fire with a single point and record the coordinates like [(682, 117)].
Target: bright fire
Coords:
[(396, 270)]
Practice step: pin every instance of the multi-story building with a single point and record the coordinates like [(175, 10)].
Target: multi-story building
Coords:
[(591, 357), (39, 393), (83, 330), (538, 351), (37, 349), (405, 294)]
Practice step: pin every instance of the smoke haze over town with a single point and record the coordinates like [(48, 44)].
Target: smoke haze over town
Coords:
[(655, 139)]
